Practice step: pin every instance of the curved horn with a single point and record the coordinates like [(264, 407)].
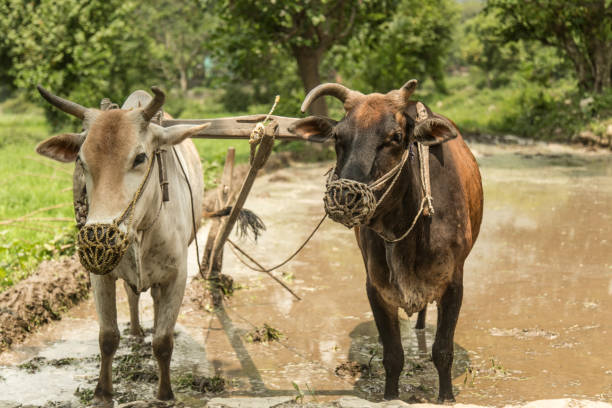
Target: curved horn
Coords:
[(155, 105), (409, 88), (339, 91), (65, 105)]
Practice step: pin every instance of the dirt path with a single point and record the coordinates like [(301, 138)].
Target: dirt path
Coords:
[(536, 321)]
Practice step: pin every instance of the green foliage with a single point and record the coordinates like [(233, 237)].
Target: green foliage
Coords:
[(264, 334), (206, 385), (580, 30), (483, 47), (412, 44), (548, 111), (80, 50), (292, 25), (181, 45), (29, 183), (85, 395), (260, 37)]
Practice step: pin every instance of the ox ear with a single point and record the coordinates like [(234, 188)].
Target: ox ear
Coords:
[(434, 130), (176, 134), (63, 148), (314, 128)]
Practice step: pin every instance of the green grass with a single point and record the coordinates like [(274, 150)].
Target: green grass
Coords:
[(29, 183), (474, 109)]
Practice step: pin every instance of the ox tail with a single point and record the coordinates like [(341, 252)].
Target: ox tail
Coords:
[(248, 221)]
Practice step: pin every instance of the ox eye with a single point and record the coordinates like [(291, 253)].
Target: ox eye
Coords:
[(396, 138), (139, 159)]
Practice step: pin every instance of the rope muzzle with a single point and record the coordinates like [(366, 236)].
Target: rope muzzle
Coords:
[(101, 247), (349, 202)]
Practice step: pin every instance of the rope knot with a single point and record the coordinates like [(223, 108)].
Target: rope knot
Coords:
[(428, 210), (257, 133)]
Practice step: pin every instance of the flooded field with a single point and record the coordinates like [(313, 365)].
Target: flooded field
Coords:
[(536, 321)]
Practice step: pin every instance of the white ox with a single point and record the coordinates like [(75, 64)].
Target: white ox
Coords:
[(116, 150)]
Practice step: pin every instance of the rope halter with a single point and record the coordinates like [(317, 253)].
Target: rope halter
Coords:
[(352, 203)]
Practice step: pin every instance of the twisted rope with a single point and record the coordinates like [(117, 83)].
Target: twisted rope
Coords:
[(259, 130)]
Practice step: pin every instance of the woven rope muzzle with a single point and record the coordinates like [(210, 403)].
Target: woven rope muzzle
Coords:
[(349, 202), (352, 203), (101, 247)]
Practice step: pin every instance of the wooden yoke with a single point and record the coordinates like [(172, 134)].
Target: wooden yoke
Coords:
[(237, 127)]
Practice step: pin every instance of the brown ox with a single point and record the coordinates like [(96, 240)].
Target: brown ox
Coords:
[(117, 152), (426, 265)]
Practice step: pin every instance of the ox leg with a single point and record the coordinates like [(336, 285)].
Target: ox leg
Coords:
[(104, 295), (166, 303), (442, 350), (387, 322), (133, 298), (420, 323)]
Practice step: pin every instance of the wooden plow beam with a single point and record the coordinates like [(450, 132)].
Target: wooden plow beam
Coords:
[(212, 260), (238, 127)]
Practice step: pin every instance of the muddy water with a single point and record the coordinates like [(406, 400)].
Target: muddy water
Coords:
[(536, 321)]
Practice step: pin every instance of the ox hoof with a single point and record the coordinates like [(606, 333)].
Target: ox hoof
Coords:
[(165, 395), (446, 400), (102, 404), (137, 332)]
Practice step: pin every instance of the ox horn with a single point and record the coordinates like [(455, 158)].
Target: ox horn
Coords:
[(155, 105), (65, 105), (339, 91), (409, 88)]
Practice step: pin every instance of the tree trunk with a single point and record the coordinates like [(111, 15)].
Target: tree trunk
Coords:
[(183, 80), (602, 62), (308, 61)]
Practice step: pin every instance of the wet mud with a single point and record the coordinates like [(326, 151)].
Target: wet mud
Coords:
[(55, 287), (536, 321)]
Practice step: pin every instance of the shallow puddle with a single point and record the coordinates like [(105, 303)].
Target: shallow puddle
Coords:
[(536, 321)]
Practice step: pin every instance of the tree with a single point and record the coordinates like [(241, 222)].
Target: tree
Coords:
[(581, 30), (181, 33), (413, 43), (305, 30), (484, 47), (80, 50)]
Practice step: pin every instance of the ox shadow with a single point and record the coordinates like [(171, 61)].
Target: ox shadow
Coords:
[(419, 379), (363, 367)]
